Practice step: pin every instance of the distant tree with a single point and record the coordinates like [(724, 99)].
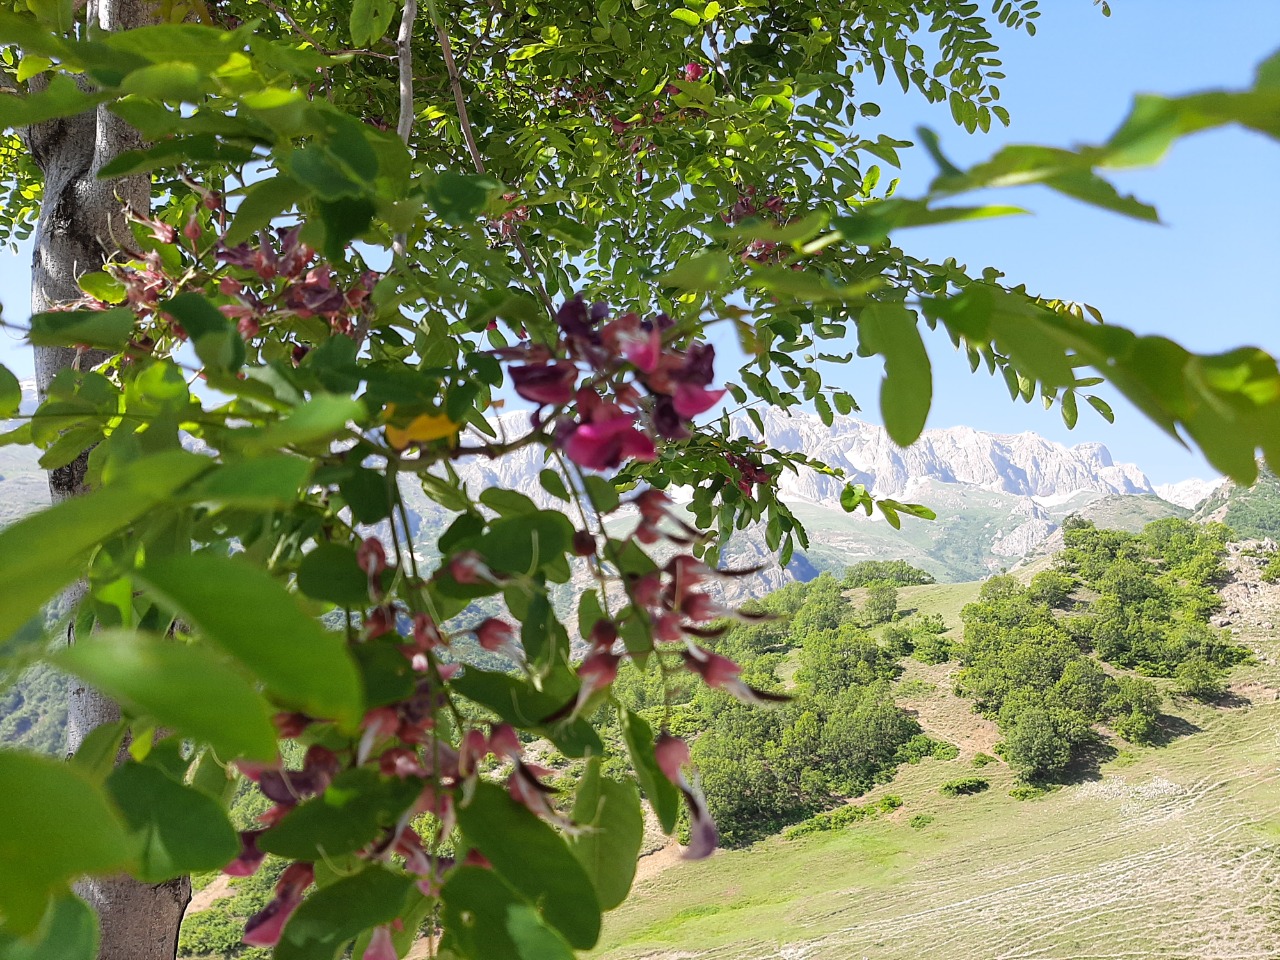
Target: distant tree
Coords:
[(1036, 744), (1133, 706), (1197, 677), (881, 604), (1051, 587), (897, 572)]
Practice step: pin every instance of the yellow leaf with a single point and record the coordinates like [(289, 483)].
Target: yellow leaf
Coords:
[(421, 429)]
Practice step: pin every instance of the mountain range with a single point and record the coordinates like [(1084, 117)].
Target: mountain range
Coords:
[(996, 496)]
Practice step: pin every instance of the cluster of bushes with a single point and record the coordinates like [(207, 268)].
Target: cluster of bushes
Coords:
[(842, 817), (1139, 601), (840, 734), (1156, 591), (920, 637), (1025, 670)]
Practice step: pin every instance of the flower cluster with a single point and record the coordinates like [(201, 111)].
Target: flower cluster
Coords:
[(640, 386), (750, 473), (304, 291)]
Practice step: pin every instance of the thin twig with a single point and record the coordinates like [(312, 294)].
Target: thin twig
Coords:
[(297, 27), (715, 53), (468, 134), (404, 126)]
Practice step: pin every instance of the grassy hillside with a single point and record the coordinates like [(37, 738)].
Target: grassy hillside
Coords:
[(1163, 851)]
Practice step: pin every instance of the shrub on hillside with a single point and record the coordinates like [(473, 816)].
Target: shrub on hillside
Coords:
[(881, 604), (982, 759), (921, 746), (1199, 678), (932, 649), (964, 786), (920, 821), (842, 817)]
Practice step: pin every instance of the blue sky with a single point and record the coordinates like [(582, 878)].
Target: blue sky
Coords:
[(1205, 277)]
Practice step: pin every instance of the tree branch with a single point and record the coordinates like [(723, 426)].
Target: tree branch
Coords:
[(468, 134)]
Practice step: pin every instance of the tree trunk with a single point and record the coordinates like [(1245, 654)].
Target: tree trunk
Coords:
[(81, 226)]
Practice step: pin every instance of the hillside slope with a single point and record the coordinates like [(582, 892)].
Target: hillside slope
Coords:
[(1157, 852)]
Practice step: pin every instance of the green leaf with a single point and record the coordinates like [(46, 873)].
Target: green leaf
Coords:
[(872, 223), (349, 815), (102, 286), (331, 572), (485, 919), (528, 854), (609, 846), (388, 677), (1102, 407), (321, 418), (706, 271), (1069, 411), (62, 98), (108, 329), (527, 543), (274, 480), (660, 792), (460, 198), (366, 494), (217, 342), (687, 16), (41, 554), (549, 480), (99, 750), (68, 829), (262, 201), (344, 219), (601, 492), (32, 65), (336, 914), (10, 392), (889, 329), (252, 617), (177, 685), (69, 931), (177, 829)]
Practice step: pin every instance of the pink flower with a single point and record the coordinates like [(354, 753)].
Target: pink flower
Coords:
[(469, 569), (250, 858), (550, 384), (693, 72), (379, 723), (722, 673), (627, 336), (371, 557), (716, 670), (505, 742), (380, 946), (672, 755), (604, 444), (426, 636), (584, 544), (471, 752), (597, 671), (263, 929), (498, 636), (691, 400)]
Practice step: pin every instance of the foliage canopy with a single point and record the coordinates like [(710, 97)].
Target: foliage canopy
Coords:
[(324, 306)]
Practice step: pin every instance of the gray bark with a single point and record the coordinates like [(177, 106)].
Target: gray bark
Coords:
[(81, 226)]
